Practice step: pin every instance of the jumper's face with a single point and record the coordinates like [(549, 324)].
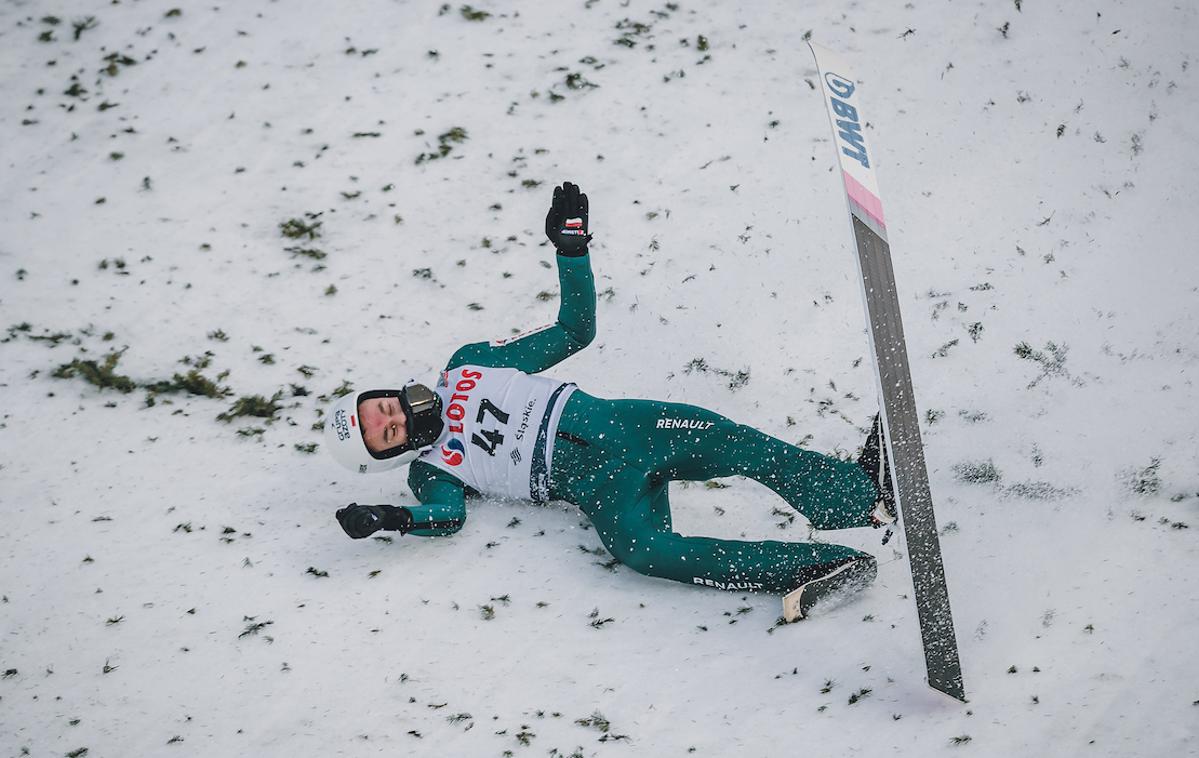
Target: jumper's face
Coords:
[(384, 424)]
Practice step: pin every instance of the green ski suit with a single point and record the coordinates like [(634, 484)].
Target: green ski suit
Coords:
[(614, 459)]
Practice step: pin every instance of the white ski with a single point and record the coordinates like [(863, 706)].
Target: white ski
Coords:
[(898, 407)]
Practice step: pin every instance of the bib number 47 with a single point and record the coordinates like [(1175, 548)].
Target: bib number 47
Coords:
[(491, 438)]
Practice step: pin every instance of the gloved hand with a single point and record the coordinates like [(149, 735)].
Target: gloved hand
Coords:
[(566, 223), (360, 521)]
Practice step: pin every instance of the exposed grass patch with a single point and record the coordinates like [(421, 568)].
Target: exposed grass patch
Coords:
[(114, 62), (297, 228), (102, 375), (314, 253), (191, 383), (1144, 481), (473, 14), (53, 338), (255, 406), (859, 695), (943, 351), (630, 32), (445, 144), (737, 379), (81, 25), (254, 627), (977, 472), (1038, 491), (1052, 361), (578, 81), (595, 721), (345, 388)]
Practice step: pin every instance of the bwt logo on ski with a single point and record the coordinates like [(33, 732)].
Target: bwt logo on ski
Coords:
[(849, 127), (452, 452)]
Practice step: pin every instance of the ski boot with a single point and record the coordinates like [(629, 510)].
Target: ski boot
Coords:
[(841, 581), (873, 461)]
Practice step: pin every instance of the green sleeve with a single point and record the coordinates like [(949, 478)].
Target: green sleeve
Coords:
[(443, 509), (538, 351)]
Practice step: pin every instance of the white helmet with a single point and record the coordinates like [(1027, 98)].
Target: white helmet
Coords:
[(343, 432)]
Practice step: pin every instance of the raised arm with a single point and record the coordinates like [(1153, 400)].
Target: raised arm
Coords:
[(539, 349), (536, 350)]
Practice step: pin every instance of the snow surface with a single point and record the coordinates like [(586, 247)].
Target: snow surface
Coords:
[(174, 584)]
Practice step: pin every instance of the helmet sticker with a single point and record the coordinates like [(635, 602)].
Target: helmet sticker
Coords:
[(340, 425)]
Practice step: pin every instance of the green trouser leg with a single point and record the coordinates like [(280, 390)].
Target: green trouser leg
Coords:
[(615, 458)]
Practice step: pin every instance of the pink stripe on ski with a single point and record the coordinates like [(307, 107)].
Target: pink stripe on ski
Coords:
[(865, 198)]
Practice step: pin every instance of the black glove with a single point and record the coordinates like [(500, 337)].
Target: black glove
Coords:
[(360, 521), (566, 223)]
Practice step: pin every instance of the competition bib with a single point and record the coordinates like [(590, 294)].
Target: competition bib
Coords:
[(500, 425)]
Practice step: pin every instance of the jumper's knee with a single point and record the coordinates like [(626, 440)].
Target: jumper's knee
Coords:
[(635, 552)]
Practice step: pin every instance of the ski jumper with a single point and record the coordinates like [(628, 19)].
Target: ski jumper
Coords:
[(512, 434)]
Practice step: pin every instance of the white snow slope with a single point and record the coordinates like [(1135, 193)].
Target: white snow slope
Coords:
[(175, 584)]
